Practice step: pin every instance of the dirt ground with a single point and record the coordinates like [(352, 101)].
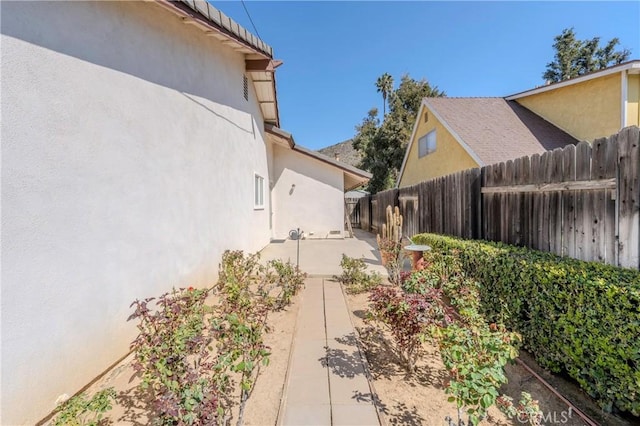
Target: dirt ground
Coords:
[(132, 407), (420, 399)]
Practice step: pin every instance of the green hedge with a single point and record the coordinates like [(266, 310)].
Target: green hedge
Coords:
[(581, 318)]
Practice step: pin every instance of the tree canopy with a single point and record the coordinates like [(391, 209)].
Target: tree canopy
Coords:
[(574, 57), (383, 144)]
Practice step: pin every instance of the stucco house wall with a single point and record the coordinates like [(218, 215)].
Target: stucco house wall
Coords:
[(307, 194), (449, 156), (586, 110), (128, 160)]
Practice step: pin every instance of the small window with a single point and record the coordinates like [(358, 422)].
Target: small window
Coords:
[(258, 192), (245, 83), (427, 144)]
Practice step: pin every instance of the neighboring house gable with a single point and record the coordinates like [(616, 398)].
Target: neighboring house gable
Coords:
[(595, 105), (472, 132)]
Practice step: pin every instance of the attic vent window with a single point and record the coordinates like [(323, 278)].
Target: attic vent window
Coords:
[(245, 84), (427, 144), (426, 116)]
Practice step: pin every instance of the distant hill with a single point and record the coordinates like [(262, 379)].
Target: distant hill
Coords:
[(345, 153)]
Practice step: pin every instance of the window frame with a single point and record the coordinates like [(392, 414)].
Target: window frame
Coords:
[(258, 192), (427, 149)]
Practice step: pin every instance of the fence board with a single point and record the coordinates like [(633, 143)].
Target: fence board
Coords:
[(611, 228), (536, 212), (629, 196), (555, 225), (583, 202), (568, 202), (598, 164)]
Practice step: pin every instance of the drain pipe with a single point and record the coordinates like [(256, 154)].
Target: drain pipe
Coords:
[(575, 409)]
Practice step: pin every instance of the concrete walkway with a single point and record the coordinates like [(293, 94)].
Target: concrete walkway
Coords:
[(326, 381)]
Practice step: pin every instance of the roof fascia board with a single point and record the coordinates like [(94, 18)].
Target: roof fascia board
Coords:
[(186, 11), (278, 132), (633, 65)]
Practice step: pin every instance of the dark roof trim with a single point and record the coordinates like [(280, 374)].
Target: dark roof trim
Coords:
[(274, 130), (208, 16)]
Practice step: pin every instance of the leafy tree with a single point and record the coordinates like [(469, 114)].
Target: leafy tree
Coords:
[(575, 57), (385, 86), (383, 144)]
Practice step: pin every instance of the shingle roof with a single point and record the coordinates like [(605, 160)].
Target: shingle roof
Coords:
[(345, 151), (498, 130)]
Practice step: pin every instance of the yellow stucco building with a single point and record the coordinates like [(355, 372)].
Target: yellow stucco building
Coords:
[(453, 134)]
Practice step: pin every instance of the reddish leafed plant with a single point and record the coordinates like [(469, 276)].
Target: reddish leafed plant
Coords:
[(408, 317)]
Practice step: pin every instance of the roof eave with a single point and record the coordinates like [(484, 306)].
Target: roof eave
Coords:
[(190, 13), (632, 66)]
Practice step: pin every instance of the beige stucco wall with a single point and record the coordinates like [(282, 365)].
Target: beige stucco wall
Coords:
[(586, 110), (448, 158), (128, 154), (633, 100), (315, 204)]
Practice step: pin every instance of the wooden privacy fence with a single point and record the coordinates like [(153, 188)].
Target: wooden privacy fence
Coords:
[(582, 201)]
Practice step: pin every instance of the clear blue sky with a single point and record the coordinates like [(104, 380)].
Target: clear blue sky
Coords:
[(333, 52)]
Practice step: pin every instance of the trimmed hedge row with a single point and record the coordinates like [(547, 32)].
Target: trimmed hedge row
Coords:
[(581, 318)]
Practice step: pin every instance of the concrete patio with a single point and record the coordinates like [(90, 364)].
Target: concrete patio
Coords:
[(321, 257)]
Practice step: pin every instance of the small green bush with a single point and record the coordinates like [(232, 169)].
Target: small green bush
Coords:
[(581, 318), (81, 411), (355, 277)]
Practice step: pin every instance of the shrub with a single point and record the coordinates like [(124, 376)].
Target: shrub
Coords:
[(80, 411), (283, 279), (581, 318), (408, 317), (199, 360), (248, 293), (354, 276), (174, 357), (475, 358)]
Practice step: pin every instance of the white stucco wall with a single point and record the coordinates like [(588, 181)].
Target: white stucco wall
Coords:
[(128, 154), (315, 204)]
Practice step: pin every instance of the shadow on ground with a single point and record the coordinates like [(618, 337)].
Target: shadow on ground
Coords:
[(341, 362), (384, 362)]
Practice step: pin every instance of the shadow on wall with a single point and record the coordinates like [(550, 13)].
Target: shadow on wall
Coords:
[(116, 35)]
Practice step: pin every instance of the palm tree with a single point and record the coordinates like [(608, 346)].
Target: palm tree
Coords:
[(385, 86)]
